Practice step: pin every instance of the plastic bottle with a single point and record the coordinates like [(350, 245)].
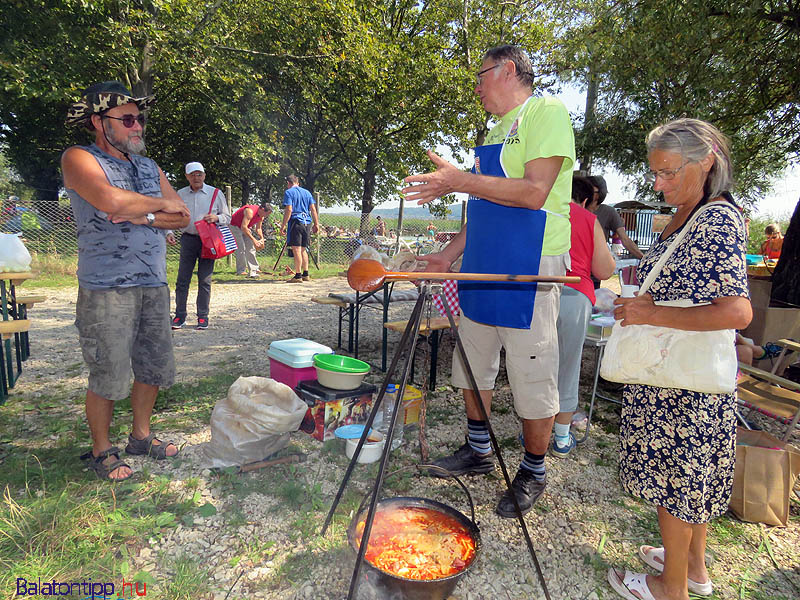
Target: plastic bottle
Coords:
[(388, 408)]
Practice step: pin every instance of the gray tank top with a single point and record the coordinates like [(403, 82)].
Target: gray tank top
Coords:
[(122, 255)]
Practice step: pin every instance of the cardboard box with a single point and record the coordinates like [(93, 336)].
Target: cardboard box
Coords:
[(332, 409)]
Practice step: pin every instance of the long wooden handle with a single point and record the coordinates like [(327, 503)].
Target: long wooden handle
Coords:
[(424, 276)]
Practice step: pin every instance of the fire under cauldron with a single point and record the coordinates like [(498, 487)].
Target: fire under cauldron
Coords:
[(416, 589)]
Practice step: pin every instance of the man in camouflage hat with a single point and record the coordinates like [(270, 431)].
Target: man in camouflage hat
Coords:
[(121, 200)]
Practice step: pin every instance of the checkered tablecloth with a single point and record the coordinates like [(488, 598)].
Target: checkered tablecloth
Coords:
[(450, 292)]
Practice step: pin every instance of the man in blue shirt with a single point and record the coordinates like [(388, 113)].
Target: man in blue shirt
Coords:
[(299, 211)]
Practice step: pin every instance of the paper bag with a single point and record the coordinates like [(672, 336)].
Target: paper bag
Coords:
[(766, 471)]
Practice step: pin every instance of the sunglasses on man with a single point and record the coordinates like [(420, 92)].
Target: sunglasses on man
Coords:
[(128, 120)]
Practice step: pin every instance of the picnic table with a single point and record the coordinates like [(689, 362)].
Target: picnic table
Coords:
[(14, 326)]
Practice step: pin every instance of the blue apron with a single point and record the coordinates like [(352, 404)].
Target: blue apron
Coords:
[(500, 239)]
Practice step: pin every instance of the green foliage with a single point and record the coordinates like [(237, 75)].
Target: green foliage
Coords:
[(730, 64), (349, 94)]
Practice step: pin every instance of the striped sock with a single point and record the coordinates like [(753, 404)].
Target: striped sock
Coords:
[(535, 464), (478, 436)]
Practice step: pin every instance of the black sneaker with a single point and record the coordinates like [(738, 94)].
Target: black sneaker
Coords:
[(202, 323), (527, 490), (464, 461), (178, 322)]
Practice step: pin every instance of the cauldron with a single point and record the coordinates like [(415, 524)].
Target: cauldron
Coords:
[(417, 589)]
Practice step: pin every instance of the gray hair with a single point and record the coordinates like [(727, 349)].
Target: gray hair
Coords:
[(694, 140), (521, 61)]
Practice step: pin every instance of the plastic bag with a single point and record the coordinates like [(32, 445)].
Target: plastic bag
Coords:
[(366, 252), (14, 256), (252, 422), (604, 301)]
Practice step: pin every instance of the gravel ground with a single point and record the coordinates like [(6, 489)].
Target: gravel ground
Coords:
[(582, 523)]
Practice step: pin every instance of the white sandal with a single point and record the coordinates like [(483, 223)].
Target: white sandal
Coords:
[(630, 585), (654, 557)]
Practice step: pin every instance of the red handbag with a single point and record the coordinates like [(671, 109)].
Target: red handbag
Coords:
[(217, 240)]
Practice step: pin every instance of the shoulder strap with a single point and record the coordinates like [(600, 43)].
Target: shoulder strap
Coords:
[(673, 245), (214, 197)]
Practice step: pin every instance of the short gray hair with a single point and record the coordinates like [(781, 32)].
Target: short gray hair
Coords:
[(517, 55), (694, 139)]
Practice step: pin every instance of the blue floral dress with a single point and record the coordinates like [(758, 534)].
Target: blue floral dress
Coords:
[(678, 447)]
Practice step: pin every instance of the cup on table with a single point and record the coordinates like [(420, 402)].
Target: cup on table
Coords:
[(629, 291)]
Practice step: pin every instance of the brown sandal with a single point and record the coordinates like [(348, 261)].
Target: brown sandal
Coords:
[(146, 446), (103, 470)]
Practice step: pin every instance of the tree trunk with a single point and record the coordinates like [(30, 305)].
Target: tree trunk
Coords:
[(268, 190), (245, 183), (786, 278), (368, 195), (588, 121), (45, 201)]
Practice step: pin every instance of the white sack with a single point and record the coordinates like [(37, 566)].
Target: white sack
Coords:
[(252, 422), (14, 256)]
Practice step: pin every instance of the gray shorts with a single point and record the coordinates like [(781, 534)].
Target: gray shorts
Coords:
[(124, 328)]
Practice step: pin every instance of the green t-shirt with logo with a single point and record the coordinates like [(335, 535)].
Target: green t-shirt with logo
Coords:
[(542, 129)]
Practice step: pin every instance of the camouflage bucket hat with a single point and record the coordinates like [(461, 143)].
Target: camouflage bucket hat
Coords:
[(101, 97)]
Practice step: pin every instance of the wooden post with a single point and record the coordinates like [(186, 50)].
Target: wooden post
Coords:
[(399, 225), (230, 212), (463, 213), (319, 233)]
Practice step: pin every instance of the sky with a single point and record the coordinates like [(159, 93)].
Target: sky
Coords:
[(779, 204)]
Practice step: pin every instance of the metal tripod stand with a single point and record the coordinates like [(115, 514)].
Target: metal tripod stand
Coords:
[(406, 346)]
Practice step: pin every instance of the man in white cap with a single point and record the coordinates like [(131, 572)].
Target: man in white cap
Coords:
[(209, 204)]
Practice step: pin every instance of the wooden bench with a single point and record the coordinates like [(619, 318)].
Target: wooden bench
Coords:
[(345, 308), (430, 331), (8, 377), (29, 300), (20, 311), (350, 305)]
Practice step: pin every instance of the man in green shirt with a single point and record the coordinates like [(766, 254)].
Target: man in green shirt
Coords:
[(517, 222)]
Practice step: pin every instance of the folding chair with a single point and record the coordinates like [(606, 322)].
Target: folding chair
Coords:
[(784, 359), (772, 396)]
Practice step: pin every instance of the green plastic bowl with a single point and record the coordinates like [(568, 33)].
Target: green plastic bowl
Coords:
[(340, 364)]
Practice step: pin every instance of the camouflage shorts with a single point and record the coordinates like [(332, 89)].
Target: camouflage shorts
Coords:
[(124, 328)]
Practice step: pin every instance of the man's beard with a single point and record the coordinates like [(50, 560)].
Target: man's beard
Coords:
[(126, 145)]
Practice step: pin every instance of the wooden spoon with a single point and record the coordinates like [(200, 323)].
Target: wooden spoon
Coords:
[(366, 275)]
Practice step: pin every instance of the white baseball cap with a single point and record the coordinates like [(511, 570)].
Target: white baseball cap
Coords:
[(194, 166)]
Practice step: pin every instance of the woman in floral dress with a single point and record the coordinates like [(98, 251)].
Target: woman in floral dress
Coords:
[(678, 447)]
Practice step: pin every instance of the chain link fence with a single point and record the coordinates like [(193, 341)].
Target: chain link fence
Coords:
[(48, 230)]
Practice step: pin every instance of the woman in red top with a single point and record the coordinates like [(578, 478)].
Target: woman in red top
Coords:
[(243, 220), (589, 255), (772, 246)]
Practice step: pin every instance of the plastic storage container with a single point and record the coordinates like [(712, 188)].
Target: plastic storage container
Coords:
[(388, 409), (331, 408), (292, 361)]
